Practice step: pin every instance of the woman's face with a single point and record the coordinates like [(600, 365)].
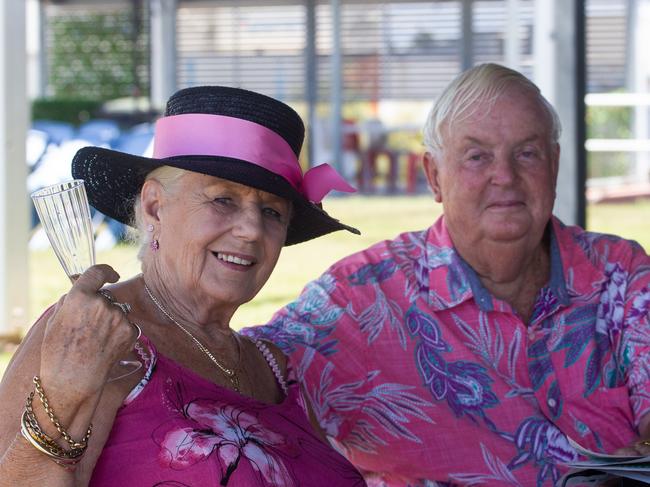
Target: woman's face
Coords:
[(219, 240)]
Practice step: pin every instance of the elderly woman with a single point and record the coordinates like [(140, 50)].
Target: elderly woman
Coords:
[(222, 195)]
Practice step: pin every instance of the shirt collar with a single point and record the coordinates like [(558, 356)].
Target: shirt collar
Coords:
[(462, 282), (557, 283)]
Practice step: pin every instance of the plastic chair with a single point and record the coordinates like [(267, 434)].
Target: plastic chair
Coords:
[(136, 143), (377, 147), (99, 131), (58, 132), (35, 147)]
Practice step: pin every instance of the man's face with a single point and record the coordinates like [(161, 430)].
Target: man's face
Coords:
[(496, 173)]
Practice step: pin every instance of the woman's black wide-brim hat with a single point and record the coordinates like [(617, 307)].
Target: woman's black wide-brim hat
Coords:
[(247, 138)]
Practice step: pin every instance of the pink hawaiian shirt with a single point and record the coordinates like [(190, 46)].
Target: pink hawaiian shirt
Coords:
[(423, 378)]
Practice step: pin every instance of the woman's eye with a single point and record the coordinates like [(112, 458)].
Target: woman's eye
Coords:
[(223, 201), (272, 213)]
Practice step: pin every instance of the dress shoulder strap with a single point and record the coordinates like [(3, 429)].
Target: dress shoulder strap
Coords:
[(273, 363), (148, 355)]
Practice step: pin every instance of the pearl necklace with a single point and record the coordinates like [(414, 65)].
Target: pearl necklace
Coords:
[(229, 373)]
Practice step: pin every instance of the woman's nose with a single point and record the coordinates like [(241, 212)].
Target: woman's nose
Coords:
[(249, 224)]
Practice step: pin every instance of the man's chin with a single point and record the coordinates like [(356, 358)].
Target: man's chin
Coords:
[(510, 230)]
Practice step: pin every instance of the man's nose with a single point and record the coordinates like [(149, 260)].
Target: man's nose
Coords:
[(504, 169)]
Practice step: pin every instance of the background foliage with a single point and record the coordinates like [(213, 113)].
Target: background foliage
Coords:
[(98, 56)]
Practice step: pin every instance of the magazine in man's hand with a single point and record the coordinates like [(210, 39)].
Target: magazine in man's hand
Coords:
[(600, 467)]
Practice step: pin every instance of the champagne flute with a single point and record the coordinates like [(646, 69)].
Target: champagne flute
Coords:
[(65, 215), (64, 212)]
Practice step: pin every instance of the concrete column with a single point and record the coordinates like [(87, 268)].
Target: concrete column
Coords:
[(512, 35), (467, 39), (14, 218), (559, 60), (163, 51), (311, 76), (641, 82), (36, 66), (337, 85), (544, 49)]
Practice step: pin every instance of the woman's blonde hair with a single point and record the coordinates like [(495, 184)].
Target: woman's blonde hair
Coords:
[(167, 176), (485, 82)]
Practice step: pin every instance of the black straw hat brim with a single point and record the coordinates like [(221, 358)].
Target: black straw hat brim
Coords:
[(114, 179)]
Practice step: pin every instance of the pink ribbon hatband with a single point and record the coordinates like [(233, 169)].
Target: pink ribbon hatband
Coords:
[(200, 134)]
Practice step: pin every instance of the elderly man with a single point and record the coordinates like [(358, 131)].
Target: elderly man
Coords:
[(470, 352)]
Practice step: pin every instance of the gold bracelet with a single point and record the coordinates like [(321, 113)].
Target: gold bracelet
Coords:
[(34, 434), (50, 413), (47, 446)]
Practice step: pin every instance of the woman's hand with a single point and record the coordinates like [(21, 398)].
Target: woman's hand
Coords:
[(84, 338)]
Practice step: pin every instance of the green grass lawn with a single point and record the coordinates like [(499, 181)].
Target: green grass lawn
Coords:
[(378, 218)]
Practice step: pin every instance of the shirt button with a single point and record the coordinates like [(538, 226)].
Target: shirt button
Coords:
[(531, 335), (551, 403)]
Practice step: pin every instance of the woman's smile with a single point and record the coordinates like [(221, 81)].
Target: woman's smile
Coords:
[(239, 262)]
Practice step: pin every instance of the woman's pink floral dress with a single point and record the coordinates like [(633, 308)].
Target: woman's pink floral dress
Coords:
[(177, 429)]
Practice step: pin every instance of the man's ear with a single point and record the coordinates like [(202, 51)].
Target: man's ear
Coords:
[(430, 164), (555, 163), (151, 199)]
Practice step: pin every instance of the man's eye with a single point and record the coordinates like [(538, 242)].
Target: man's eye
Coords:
[(223, 201)]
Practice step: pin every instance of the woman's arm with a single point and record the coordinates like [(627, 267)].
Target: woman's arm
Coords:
[(72, 348)]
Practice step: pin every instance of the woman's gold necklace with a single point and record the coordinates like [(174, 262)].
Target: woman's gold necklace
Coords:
[(229, 373)]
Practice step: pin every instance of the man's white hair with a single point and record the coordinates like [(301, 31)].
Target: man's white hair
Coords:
[(459, 100)]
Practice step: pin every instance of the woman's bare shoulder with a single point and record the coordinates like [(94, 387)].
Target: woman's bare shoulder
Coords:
[(278, 354)]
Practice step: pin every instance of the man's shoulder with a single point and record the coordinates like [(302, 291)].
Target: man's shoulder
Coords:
[(601, 247), (401, 246)]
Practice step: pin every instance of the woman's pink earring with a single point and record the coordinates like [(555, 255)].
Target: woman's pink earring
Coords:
[(155, 245), (150, 227)]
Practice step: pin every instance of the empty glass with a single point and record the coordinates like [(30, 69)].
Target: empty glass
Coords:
[(65, 215)]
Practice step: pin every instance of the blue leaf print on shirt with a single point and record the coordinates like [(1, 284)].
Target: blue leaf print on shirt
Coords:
[(584, 330), (427, 328), (539, 365), (389, 406), (457, 282), (372, 319), (307, 321), (554, 400), (371, 273), (582, 321), (464, 385), (540, 441)]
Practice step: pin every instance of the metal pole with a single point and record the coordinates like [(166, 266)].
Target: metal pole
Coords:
[(14, 212), (337, 85), (580, 114), (311, 75)]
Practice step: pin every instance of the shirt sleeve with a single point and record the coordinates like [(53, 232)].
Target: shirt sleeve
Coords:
[(321, 336), (634, 347)]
